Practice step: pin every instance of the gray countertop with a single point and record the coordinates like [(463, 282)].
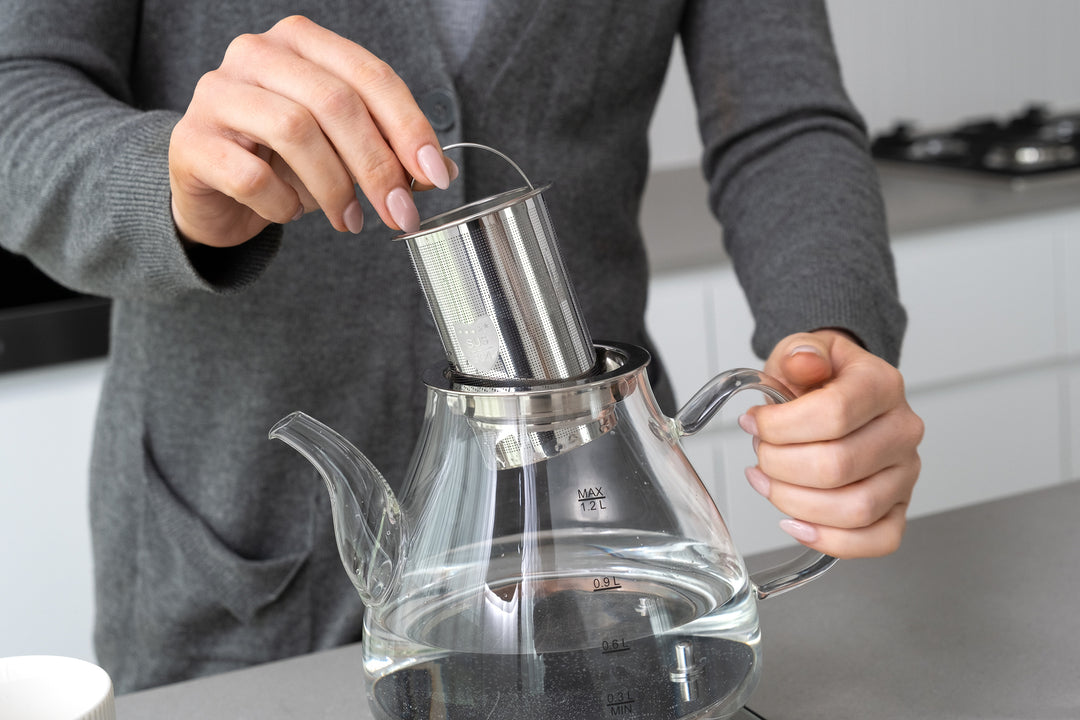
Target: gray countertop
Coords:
[(974, 617), (681, 234)]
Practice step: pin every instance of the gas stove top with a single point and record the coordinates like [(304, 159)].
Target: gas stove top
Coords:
[(1032, 143)]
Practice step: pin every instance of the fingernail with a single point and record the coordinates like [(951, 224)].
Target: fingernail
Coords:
[(431, 162), (403, 210), (454, 171), (813, 350), (758, 480), (354, 217), (799, 530), (748, 424), (298, 214)]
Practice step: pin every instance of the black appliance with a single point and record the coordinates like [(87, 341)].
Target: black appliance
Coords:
[(42, 322), (1034, 142)]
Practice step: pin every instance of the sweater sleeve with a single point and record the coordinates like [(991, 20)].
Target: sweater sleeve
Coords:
[(84, 184), (790, 176)]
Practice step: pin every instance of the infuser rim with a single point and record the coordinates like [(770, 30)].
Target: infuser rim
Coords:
[(629, 358), (473, 211)]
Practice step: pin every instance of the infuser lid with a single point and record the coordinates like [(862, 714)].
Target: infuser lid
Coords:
[(497, 288)]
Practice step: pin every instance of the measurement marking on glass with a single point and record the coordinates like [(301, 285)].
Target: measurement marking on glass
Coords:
[(614, 646), (592, 498), (605, 583), (620, 703)]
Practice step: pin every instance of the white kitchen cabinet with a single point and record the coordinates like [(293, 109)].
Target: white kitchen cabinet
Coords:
[(680, 317), (1071, 449), (46, 424), (734, 329), (1067, 258), (701, 325), (989, 439), (980, 301)]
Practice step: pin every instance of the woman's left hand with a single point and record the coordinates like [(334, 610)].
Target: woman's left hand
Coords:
[(841, 459)]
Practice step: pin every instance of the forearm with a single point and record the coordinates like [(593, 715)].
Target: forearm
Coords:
[(810, 245), (790, 177), (84, 188)]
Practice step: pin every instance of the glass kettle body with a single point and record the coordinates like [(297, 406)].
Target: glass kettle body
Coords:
[(552, 554)]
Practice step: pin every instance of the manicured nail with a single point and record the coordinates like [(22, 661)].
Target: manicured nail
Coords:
[(298, 214), (748, 424), (354, 217), (431, 162), (403, 210), (799, 530), (806, 349), (454, 171), (758, 480)]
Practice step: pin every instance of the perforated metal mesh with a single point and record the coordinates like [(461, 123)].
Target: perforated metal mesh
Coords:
[(499, 293)]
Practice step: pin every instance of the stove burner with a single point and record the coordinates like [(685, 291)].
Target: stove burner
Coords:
[(1031, 143)]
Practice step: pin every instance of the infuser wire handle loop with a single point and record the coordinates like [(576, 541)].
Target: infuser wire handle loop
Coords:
[(478, 146), (697, 413)]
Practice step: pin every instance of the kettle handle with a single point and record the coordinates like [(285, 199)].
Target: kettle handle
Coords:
[(697, 412)]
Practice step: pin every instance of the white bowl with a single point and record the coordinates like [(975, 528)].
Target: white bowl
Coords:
[(46, 687)]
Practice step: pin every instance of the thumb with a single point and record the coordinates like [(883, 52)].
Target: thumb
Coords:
[(801, 361)]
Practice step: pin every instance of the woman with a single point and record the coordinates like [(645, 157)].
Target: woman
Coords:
[(203, 178)]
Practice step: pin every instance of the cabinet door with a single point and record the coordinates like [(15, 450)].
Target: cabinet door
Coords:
[(679, 322), (734, 324), (1068, 257), (1069, 281), (46, 422), (1072, 424), (980, 299), (990, 439)]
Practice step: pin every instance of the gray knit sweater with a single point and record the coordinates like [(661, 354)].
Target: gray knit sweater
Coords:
[(213, 546)]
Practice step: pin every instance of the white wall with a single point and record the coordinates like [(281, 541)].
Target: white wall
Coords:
[(931, 61)]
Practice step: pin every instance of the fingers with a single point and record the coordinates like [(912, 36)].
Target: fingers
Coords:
[(861, 387), (317, 115), (407, 138), (208, 176), (881, 538), (452, 170), (841, 459), (857, 505), (274, 121), (843, 496), (801, 361), (835, 462), (348, 108)]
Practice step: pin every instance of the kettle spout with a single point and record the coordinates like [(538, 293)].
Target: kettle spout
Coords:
[(367, 518)]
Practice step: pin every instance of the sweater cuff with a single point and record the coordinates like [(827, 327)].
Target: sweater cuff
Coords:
[(141, 210), (864, 310)]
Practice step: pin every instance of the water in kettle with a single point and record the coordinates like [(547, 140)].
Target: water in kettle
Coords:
[(629, 641)]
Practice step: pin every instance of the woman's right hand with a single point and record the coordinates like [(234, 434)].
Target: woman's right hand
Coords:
[(292, 119)]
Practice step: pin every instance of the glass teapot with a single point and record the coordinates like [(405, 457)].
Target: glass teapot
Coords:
[(552, 553)]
